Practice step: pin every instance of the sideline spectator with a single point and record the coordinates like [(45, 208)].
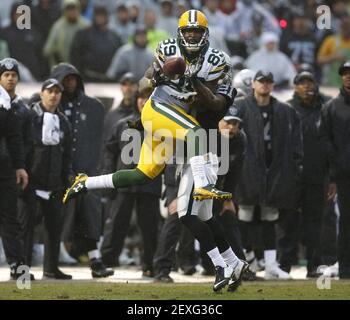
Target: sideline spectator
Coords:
[(307, 102), (335, 133), (269, 178), (12, 166), (85, 114), (21, 111), (49, 168)]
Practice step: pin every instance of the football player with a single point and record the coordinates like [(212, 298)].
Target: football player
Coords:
[(167, 109), (198, 215)]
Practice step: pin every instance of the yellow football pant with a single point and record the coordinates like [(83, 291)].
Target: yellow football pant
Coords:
[(163, 124)]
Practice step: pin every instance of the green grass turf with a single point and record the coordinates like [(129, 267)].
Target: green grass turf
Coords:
[(263, 290)]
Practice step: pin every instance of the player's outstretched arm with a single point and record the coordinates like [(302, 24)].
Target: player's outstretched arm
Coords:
[(205, 94), (153, 77)]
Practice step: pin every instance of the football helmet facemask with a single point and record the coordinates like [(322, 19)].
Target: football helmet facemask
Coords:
[(193, 19)]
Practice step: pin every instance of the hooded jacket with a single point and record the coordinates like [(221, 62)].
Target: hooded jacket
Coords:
[(277, 185), (86, 115)]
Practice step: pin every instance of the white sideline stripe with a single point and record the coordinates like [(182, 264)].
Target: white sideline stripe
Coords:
[(174, 115)]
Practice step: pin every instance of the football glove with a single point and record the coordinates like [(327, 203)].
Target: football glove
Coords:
[(158, 76)]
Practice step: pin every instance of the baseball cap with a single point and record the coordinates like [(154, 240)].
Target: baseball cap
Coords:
[(304, 75), (263, 75), (232, 114), (128, 77), (49, 83), (343, 67)]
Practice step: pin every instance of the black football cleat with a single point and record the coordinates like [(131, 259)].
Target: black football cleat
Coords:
[(223, 276), (237, 275)]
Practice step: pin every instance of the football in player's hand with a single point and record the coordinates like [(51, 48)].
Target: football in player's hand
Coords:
[(174, 68)]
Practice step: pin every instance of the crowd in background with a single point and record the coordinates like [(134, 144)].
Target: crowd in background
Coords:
[(114, 41), (106, 38)]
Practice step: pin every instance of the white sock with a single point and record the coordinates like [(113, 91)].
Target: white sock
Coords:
[(230, 258), (198, 171), (216, 258), (94, 254), (270, 257), (99, 182)]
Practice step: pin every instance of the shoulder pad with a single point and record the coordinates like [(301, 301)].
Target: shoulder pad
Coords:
[(214, 64)]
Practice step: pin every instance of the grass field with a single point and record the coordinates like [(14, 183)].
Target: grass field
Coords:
[(263, 290)]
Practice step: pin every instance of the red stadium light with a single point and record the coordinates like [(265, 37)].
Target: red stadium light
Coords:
[(283, 23)]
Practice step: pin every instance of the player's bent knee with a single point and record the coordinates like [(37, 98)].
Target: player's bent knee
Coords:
[(141, 178)]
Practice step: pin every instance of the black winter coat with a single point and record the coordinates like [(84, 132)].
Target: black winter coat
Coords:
[(49, 167), (22, 123), (278, 185), (10, 131), (335, 133), (315, 156)]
